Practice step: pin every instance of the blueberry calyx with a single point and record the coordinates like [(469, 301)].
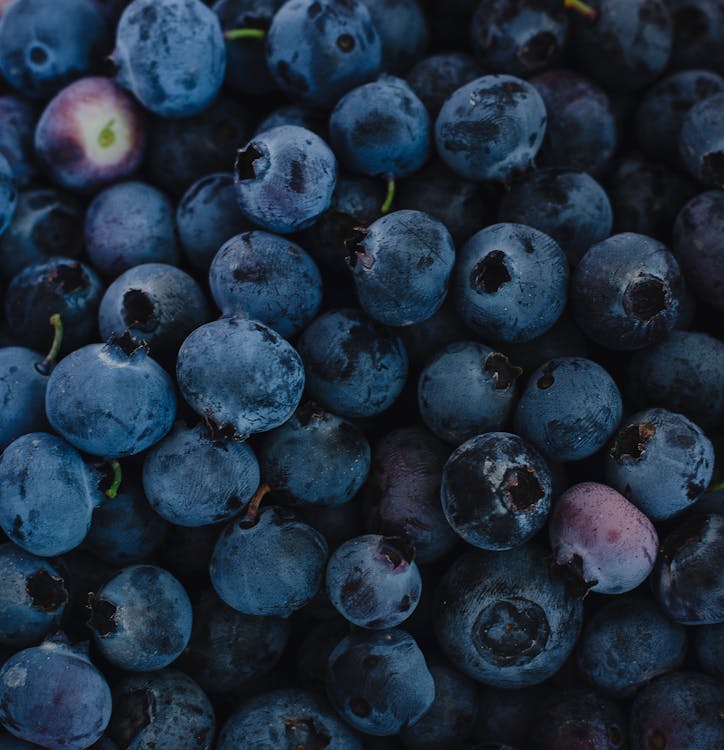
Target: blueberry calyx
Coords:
[(396, 552), (103, 615), (139, 311), (246, 158), (46, 591), (126, 343), (631, 441), (305, 734), (521, 488), (572, 574), (69, 277), (501, 370), (645, 297), (490, 273)]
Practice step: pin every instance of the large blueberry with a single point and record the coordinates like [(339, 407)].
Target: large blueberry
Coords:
[(701, 141)]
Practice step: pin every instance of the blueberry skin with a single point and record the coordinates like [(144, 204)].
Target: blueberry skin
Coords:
[(171, 55), (128, 224), (192, 478), (272, 567), (285, 178), (60, 285), (709, 646), (268, 278), (581, 133), (294, 114), (678, 710), (22, 391), (18, 117), (698, 225), (404, 32), (318, 50), (141, 618), (52, 695), (46, 225), (661, 461), (354, 366), (125, 530), (157, 303), (163, 710), (504, 112), (435, 78), (518, 37), (228, 650), (684, 374), (45, 45), (315, 458), (602, 540), (627, 643), (44, 480), (510, 282), (8, 194), (286, 718), (379, 682), (688, 580), (466, 389), (571, 207), (496, 491), (207, 215), (701, 143), (111, 399), (373, 581), (240, 374), (698, 33), (89, 135), (628, 45), (32, 598), (503, 620)]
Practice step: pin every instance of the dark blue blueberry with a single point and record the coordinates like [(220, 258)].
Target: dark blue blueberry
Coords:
[(379, 682), (207, 215), (678, 710), (627, 643), (317, 50), (491, 128), (684, 374), (288, 718), (401, 265), (52, 695), (628, 44), (601, 541), (435, 78), (18, 117), (627, 291), (171, 55), (581, 133), (519, 37), (158, 304), (47, 494), (465, 390), (503, 620), (354, 367), (141, 618), (194, 478), (8, 194), (696, 245), (571, 207), (32, 598), (90, 134), (709, 646), (110, 399), (496, 491), (661, 461), (285, 178), (240, 375), (128, 224), (315, 458), (505, 268), (294, 114), (373, 581), (403, 493), (44, 45), (689, 580), (698, 34), (268, 564), (268, 278), (47, 224), (404, 32), (228, 649), (701, 141), (161, 711), (59, 286)]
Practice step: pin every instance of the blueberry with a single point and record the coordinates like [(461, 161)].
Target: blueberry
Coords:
[(506, 715), (16, 137), (709, 646), (295, 114), (698, 33), (8, 194), (701, 143), (141, 618), (435, 78), (404, 32)]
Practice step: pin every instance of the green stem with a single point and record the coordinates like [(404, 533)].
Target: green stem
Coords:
[(582, 8), (112, 491), (716, 487), (57, 324), (234, 34), (387, 205)]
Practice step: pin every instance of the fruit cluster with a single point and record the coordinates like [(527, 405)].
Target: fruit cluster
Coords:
[(383, 402)]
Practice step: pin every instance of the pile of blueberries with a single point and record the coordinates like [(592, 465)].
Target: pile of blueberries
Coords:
[(362, 374)]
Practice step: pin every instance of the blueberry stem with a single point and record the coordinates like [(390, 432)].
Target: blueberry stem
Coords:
[(387, 205), (252, 510), (583, 8), (112, 491), (716, 486), (52, 355), (233, 34)]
